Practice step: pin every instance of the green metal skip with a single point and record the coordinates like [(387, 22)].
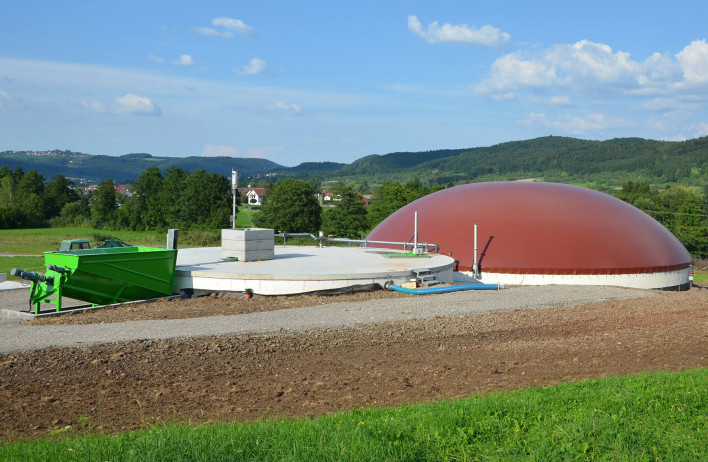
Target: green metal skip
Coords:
[(103, 276)]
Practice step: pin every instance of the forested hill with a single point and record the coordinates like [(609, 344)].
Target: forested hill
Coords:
[(396, 161), (126, 167), (551, 158)]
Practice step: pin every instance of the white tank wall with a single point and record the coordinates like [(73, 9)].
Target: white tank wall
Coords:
[(635, 281), (283, 285)]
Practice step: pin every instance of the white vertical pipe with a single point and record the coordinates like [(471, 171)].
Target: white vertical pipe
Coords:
[(233, 226), (415, 235), (475, 266), (234, 187)]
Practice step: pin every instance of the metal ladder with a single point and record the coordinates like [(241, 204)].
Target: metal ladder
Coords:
[(425, 277)]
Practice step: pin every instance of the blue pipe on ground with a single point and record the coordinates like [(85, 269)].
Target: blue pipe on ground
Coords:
[(441, 290)]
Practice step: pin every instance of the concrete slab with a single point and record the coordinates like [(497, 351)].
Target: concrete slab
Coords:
[(302, 269), (14, 302), (11, 285)]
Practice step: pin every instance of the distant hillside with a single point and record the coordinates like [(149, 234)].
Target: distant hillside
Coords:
[(661, 161), (126, 167), (550, 158), (396, 161), (313, 169)]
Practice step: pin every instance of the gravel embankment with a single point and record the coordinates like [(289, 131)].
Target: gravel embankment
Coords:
[(17, 336)]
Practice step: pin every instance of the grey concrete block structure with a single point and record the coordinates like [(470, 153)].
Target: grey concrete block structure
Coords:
[(248, 244)]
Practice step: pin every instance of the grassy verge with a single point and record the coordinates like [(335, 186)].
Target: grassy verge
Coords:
[(700, 277), (39, 240), (29, 242), (24, 263), (246, 218), (646, 417)]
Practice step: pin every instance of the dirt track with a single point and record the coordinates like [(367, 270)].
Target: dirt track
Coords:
[(127, 385)]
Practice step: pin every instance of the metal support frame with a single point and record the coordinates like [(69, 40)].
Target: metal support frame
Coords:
[(234, 188), (424, 245), (475, 264)]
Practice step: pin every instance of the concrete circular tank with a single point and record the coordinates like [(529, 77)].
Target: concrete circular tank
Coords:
[(544, 233)]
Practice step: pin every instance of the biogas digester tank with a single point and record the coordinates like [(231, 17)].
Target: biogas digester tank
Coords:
[(544, 233)]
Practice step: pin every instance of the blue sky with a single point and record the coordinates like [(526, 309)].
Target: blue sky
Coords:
[(333, 81)]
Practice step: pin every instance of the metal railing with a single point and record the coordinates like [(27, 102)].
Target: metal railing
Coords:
[(365, 242)]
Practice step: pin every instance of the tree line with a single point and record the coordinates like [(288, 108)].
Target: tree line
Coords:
[(682, 210), (553, 158), (180, 199), (291, 205), (177, 199), (28, 201), (199, 200)]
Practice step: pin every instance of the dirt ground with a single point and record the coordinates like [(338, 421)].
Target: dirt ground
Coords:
[(114, 387), (216, 304)]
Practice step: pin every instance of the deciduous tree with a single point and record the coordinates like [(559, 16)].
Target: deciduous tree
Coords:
[(103, 209), (291, 206), (348, 216), (57, 194), (147, 196)]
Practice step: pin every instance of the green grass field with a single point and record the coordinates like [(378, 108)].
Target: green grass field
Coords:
[(32, 243), (637, 418), (39, 240), (245, 218), (24, 263), (700, 277)]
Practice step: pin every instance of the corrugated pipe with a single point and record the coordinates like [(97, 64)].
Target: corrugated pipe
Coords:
[(441, 290)]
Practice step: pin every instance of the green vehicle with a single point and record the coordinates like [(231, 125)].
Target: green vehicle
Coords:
[(83, 244), (102, 276)]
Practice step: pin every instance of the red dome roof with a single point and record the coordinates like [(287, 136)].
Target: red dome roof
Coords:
[(538, 228)]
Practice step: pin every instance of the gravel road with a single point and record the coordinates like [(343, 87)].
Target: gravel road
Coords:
[(18, 336)]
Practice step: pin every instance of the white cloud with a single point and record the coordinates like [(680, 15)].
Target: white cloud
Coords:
[(512, 71), (211, 150), (184, 60), (702, 130), (4, 96), (665, 104), (254, 67), (94, 106), (213, 32), (559, 101), (235, 25), (659, 104), (508, 96), (573, 124), (693, 60), (680, 137), (596, 62), (281, 106), (487, 36), (656, 124), (156, 59), (595, 68), (136, 105), (262, 153), (658, 68)]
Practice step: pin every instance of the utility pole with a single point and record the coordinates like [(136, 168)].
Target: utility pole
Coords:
[(234, 188)]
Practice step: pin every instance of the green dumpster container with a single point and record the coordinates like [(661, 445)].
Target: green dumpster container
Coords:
[(103, 276)]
